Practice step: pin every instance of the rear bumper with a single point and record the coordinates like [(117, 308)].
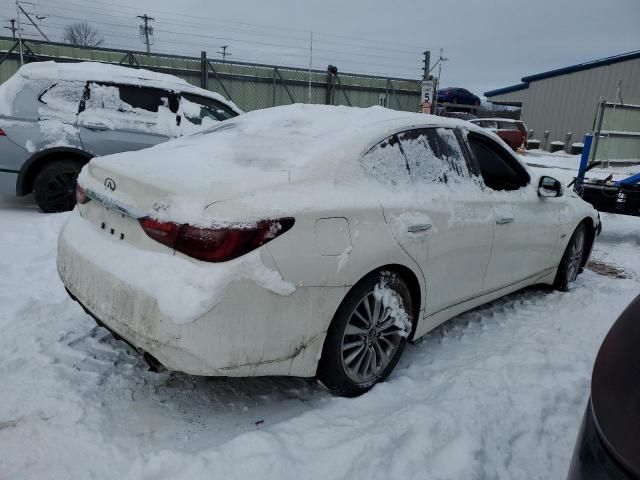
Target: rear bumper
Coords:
[(250, 331)]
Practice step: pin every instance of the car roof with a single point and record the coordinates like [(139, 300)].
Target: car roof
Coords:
[(102, 72)]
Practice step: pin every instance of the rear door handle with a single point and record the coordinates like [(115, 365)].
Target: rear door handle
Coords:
[(503, 220), (421, 227)]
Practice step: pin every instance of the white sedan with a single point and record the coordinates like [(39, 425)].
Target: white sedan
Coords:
[(312, 240)]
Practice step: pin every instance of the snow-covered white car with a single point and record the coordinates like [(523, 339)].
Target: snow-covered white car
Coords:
[(55, 117), (312, 240)]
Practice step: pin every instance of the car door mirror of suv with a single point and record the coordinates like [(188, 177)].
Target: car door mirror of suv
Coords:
[(549, 187)]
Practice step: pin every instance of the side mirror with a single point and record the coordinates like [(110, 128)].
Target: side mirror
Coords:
[(549, 187)]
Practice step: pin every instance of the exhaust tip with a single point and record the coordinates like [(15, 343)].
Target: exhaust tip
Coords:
[(154, 365)]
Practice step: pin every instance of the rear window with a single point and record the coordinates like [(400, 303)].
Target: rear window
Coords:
[(508, 126)]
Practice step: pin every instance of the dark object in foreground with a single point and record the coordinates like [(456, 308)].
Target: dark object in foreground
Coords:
[(612, 197), (608, 445)]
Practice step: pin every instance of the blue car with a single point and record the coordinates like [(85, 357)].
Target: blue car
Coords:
[(457, 95)]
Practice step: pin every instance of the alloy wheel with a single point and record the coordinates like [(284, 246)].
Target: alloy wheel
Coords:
[(575, 256), (370, 339)]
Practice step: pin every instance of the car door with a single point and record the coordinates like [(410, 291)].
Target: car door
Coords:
[(525, 225), (117, 118), (444, 222)]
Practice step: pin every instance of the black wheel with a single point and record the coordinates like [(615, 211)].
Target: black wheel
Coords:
[(571, 263), (55, 186), (367, 335)]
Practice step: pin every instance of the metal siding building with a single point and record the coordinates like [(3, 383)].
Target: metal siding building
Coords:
[(565, 100)]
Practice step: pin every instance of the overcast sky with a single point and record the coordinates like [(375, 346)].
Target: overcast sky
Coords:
[(489, 43)]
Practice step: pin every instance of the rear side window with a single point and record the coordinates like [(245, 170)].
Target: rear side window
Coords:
[(150, 99), (433, 155), (63, 96), (196, 108), (125, 98), (498, 169), (386, 164)]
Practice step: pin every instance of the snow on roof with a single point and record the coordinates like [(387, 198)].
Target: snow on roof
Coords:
[(289, 137), (295, 142), (102, 72)]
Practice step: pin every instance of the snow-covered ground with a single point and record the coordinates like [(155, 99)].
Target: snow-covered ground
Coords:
[(496, 393)]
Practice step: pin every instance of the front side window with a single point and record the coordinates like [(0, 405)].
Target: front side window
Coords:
[(498, 169), (433, 155), (386, 164), (196, 108)]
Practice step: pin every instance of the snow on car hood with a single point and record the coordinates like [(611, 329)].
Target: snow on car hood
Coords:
[(276, 146)]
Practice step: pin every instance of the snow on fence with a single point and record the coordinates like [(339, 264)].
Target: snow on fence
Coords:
[(250, 85)]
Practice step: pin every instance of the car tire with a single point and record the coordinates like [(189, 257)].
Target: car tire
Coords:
[(378, 348), (571, 263), (55, 186)]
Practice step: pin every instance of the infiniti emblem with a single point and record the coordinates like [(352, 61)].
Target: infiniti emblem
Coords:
[(109, 184)]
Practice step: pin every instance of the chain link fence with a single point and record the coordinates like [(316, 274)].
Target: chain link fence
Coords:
[(251, 86)]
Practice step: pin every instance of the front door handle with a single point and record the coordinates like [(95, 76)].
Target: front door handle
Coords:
[(422, 227), (96, 127), (504, 220)]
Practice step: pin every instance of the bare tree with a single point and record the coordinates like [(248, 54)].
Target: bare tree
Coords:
[(82, 34)]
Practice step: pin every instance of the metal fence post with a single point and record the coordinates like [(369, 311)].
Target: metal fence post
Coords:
[(328, 99), (204, 71), (597, 129), (273, 87)]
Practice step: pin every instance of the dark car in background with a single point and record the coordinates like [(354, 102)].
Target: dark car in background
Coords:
[(608, 445), (513, 132), (457, 95)]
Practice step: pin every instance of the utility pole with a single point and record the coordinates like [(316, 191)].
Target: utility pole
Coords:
[(310, 64), (19, 33), (20, 9), (224, 52), (441, 60), (427, 63), (146, 30), (12, 28)]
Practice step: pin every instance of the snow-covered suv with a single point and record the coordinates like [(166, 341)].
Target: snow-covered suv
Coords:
[(54, 117)]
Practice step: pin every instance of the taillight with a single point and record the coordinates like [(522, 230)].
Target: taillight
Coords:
[(219, 243), (2, 134), (81, 195)]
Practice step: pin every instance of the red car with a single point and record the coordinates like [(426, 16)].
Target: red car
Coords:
[(513, 132)]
